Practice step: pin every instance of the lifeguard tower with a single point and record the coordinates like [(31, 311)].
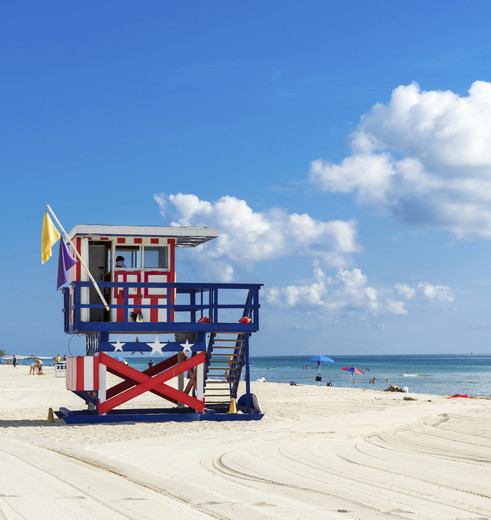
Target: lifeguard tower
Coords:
[(203, 329)]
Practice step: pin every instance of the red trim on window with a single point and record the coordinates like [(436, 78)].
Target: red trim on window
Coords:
[(154, 240), (172, 273), (78, 243), (121, 240), (104, 238), (137, 240)]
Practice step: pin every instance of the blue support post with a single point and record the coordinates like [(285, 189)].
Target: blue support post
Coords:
[(192, 301), (76, 302), (247, 375), (126, 294), (168, 308), (66, 309)]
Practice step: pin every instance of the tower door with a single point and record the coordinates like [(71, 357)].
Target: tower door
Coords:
[(98, 267)]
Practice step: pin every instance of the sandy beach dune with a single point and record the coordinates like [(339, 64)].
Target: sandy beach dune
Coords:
[(319, 453)]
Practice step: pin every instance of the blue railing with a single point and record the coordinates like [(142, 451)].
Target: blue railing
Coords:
[(222, 303)]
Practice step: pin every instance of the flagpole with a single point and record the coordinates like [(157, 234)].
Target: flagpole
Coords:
[(96, 287)]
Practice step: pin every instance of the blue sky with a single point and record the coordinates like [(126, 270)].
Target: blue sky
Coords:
[(342, 149)]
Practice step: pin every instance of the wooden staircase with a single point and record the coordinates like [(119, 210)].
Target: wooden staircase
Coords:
[(225, 359)]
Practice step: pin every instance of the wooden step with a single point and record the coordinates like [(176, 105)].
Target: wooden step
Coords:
[(228, 355), (224, 346)]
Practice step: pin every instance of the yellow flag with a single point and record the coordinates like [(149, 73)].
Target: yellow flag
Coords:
[(49, 238)]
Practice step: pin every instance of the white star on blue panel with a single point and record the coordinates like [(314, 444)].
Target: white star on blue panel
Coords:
[(186, 347), (118, 346), (156, 346)]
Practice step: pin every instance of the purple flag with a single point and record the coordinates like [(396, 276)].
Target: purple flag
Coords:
[(65, 262)]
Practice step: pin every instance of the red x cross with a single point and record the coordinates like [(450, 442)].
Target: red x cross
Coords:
[(138, 382)]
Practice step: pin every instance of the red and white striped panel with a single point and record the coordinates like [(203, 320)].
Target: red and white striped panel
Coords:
[(146, 241), (155, 296), (155, 277), (157, 314), (125, 276), (151, 296), (153, 315), (82, 373)]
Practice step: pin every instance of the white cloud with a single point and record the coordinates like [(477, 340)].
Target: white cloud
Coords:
[(405, 290), (370, 175), (247, 236), (425, 157), (350, 292), (347, 292), (395, 307), (435, 293), (425, 291)]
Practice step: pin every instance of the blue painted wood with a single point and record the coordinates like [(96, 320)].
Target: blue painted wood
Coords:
[(85, 396), (159, 327), (150, 415), (141, 346), (203, 301), (248, 381), (66, 306)]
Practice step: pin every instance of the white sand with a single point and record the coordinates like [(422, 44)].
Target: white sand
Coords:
[(319, 453)]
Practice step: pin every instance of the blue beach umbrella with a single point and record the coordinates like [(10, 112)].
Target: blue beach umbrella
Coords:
[(319, 360)]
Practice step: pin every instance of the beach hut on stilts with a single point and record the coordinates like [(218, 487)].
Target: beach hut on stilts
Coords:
[(124, 297)]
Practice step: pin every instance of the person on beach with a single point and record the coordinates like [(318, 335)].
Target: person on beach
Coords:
[(150, 364), (34, 367), (394, 388), (14, 361), (58, 358), (40, 366)]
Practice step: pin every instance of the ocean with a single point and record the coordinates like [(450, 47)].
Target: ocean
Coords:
[(427, 374), (430, 374)]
